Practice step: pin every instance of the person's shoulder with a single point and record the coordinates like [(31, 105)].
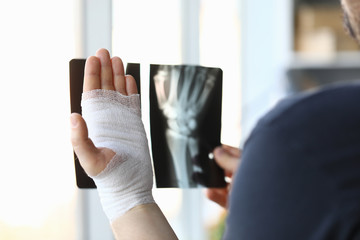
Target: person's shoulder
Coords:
[(322, 102), (317, 120)]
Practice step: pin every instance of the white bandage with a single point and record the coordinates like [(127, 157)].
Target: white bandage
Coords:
[(114, 122)]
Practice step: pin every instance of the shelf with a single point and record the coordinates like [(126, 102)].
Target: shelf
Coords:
[(305, 74), (336, 60), (318, 2)]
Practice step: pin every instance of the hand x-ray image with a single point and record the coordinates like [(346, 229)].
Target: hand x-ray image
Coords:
[(185, 119)]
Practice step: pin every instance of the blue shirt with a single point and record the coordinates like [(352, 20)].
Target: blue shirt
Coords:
[(300, 172)]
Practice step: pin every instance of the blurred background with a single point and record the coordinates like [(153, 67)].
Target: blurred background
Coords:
[(268, 49)]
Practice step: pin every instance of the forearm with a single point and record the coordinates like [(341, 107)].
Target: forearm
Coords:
[(143, 222)]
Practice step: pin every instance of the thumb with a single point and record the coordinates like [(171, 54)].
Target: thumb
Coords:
[(84, 148), (227, 159)]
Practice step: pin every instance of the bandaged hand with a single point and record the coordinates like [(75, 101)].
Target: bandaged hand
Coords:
[(114, 122), (111, 143)]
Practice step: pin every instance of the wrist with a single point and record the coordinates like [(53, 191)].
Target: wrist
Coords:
[(145, 221), (119, 195)]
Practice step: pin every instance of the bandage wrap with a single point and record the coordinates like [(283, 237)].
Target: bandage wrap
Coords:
[(114, 122)]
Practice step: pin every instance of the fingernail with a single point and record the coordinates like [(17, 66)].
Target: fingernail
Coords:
[(74, 122)]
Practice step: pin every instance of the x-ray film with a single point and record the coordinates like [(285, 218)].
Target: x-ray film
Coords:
[(185, 125)]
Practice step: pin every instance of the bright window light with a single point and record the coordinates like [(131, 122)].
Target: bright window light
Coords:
[(37, 177), (220, 47), (147, 31)]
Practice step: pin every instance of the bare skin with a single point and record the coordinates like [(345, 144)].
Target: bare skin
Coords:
[(143, 221)]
